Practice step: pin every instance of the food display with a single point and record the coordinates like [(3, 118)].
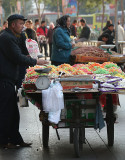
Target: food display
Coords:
[(90, 54), (90, 51), (108, 72)]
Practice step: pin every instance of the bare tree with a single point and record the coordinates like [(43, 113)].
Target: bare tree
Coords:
[(37, 2)]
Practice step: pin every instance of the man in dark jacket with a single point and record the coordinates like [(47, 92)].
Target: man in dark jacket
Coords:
[(85, 33), (10, 58), (105, 38), (110, 32)]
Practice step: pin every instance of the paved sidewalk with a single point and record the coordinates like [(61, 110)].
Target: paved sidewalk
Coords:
[(95, 149)]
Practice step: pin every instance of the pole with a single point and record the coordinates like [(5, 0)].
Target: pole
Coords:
[(58, 9), (116, 23), (103, 12), (122, 8)]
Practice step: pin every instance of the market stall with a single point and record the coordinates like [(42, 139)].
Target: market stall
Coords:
[(86, 89), (83, 54)]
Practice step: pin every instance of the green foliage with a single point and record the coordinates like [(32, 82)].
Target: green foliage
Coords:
[(8, 4)]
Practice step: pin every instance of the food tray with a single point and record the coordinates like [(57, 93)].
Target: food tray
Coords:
[(80, 58), (117, 58)]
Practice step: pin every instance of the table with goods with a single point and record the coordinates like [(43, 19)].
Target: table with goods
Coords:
[(88, 90)]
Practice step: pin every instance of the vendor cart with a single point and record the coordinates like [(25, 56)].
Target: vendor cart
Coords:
[(79, 113)]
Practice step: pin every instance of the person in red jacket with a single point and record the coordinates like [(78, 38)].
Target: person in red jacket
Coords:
[(42, 34)]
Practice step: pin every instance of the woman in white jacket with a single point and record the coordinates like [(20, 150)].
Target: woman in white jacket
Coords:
[(121, 37), (121, 32)]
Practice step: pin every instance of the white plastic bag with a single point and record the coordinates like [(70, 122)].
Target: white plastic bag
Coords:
[(32, 47), (52, 98), (23, 102), (54, 117)]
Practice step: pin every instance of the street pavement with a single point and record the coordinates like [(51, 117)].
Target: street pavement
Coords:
[(95, 148)]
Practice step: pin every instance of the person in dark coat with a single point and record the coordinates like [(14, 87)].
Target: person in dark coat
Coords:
[(105, 38), (73, 28), (61, 42), (5, 25), (110, 32), (21, 39), (50, 38), (10, 58), (85, 32), (31, 33), (107, 24)]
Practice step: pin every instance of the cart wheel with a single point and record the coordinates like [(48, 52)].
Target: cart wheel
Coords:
[(77, 142), (45, 134)]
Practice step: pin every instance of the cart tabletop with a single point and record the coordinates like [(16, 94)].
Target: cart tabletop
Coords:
[(79, 91)]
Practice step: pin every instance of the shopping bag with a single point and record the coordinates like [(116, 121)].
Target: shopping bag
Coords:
[(32, 47), (52, 98)]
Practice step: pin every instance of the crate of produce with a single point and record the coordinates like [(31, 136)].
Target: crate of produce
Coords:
[(76, 81)]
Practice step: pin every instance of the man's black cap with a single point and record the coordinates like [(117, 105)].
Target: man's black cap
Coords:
[(111, 25), (16, 16)]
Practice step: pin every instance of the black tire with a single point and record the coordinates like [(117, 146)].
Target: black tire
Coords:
[(45, 135), (76, 142)]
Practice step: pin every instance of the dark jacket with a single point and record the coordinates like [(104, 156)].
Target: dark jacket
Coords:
[(105, 28), (31, 33), (85, 33), (61, 45), (73, 30), (11, 57), (22, 43), (111, 36), (50, 35)]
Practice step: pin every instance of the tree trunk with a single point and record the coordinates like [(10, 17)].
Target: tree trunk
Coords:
[(43, 11), (23, 6), (116, 23), (58, 9), (77, 8), (122, 9), (103, 12), (38, 9)]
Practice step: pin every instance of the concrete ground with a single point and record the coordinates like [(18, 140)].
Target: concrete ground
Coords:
[(95, 149)]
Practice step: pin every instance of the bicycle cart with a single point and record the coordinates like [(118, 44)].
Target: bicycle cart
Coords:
[(80, 112)]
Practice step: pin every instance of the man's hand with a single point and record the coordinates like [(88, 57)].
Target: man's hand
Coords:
[(41, 62)]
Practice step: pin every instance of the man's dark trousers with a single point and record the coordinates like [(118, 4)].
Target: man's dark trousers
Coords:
[(9, 114)]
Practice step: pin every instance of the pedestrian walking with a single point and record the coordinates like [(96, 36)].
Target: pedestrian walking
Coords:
[(50, 38), (31, 33), (36, 25), (42, 33)]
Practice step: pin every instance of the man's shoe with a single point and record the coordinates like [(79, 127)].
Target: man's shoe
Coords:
[(8, 146), (11, 146), (25, 144)]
